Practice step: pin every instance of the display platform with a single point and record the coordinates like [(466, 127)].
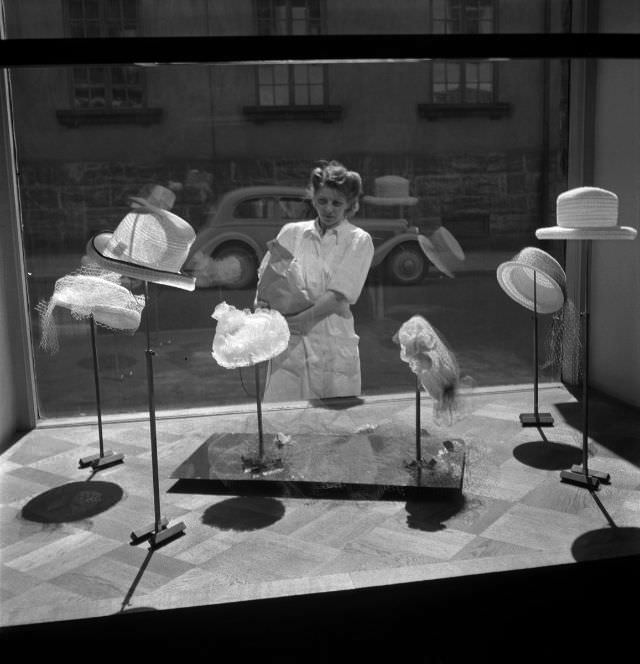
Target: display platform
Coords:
[(362, 465)]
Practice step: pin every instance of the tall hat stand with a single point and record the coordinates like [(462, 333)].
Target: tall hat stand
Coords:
[(581, 474), (159, 531), (535, 419), (102, 459), (260, 464)]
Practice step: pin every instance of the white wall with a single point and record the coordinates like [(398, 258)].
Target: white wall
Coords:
[(615, 266)]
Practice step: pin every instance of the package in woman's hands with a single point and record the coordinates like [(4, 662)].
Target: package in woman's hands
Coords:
[(281, 284)]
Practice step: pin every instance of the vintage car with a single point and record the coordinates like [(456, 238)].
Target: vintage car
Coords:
[(245, 219)]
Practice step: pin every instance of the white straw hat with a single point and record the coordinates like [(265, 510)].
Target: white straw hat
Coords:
[(391, 190), (150, 244), (587, 213), (516, 277), (440, 247)]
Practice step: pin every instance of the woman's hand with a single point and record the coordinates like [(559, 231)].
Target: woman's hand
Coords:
[(298, 323)]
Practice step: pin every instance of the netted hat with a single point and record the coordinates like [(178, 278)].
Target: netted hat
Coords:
[(431, 360), (90, 291), (243, 338)]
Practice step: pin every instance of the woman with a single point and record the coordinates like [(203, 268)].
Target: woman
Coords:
[(334, 256)]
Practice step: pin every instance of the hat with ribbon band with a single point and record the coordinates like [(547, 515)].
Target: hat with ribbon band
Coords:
[(391, 190)]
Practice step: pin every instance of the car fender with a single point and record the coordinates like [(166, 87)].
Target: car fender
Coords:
[(224, 238), (383, 250)]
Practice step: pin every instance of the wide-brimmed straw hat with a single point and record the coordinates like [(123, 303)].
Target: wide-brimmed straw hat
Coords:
[(533, 267), (391, 190), (587, 213), (442, 249), (150, 244)]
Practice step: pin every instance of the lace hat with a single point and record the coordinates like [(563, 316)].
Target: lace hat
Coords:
[(391, 190), (90, 291), (516, 277), (242, 338), (587, 213), (150, 243)]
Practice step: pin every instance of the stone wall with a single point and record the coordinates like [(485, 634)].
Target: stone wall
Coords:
[(490, 200)]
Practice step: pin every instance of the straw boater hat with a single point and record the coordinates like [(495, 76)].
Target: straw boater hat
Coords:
[(439, 247), (91, 292), (516, 277), (587, 213), (150, 244), (391, 190)]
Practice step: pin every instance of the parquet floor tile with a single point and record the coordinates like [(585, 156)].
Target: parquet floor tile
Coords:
[(514, 512)]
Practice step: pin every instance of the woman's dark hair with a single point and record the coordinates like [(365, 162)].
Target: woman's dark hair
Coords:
[(333, 174)]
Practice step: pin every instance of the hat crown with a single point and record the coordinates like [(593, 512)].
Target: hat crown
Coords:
[(391, 186), (158, 241), (587, 207)]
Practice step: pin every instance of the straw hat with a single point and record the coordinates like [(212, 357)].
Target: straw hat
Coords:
[(154, 196), (150, 244), (242, 338), (516, 277), (587, 213), (91, 292), (391, 190), (440, 246)]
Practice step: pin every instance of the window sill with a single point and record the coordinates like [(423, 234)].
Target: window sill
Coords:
[(140, 116), (324, 113), (435, 111)]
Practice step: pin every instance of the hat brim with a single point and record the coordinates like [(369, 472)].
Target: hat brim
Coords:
[(444, 236), (516, 282), (596, 233), (97, 246), (375, 200), (433, 255)]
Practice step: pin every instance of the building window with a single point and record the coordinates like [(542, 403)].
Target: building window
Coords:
[(290, 85), (105, 87), (463, 82)]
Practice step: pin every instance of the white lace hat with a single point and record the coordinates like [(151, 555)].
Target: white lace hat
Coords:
[(587, 213), (391, 190), (151, 244), (516, 277)]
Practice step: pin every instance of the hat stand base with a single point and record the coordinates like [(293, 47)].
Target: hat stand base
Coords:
[(604, 477), (157, 534), (536, 419), (572, 477), (98, 461)]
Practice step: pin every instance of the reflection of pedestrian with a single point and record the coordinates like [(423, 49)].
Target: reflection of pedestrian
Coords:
[(334, 256)]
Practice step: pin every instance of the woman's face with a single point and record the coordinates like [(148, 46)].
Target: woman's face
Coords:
[(331, 205)]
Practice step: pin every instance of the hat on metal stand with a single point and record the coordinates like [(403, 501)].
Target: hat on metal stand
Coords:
[(97, 295), (150, 244), (585, 214), (535, 280), (244, 339)]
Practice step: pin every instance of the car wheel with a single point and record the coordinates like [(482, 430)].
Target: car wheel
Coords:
[(407, 265), (247, 275)]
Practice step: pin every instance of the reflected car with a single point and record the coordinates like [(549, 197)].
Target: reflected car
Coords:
[(236, 233)]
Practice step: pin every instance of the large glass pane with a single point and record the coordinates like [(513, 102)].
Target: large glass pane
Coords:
[(472, 184)]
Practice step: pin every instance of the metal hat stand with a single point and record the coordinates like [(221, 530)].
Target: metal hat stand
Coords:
[(102, 459), (582, 475), (158, 532), (535, 419)]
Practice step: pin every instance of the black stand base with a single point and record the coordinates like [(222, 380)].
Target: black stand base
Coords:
[(536, 419), (579, 478), (261, 465), (97, 461), (605, 478), (157, 536)]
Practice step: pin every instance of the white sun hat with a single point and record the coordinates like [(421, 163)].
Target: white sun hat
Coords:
[(587, 213), (391, 190), (529, 267)]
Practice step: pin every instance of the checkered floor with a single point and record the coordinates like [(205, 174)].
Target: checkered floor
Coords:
[(66, 549)]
